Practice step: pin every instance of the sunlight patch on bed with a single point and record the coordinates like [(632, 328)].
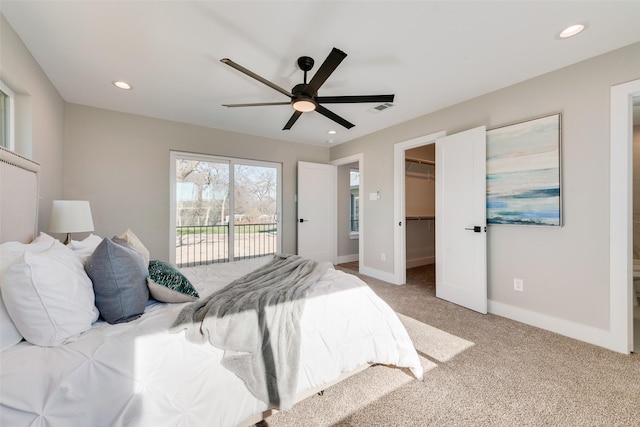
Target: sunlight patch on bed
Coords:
[(433, 342)]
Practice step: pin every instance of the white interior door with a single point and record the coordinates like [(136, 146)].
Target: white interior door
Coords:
[(317, 212), (461, 239)]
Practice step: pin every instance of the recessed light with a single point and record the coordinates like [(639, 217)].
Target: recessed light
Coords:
[(329, 141), (571, 31), (332, 132), (122, 85)]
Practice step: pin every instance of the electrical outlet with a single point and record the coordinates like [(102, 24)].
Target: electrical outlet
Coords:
[(383, 257), (518, 285)]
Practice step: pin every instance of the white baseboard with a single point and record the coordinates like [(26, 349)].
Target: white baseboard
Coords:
[(417, 262), (377, 274), (589, 334), (347, 258)]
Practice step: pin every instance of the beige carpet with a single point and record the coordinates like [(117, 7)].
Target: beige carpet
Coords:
[(480, 370)]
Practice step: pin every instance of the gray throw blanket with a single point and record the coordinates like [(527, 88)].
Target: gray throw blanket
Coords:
[(255, 319)]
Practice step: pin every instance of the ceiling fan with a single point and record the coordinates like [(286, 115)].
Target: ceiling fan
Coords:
[(304, 96)]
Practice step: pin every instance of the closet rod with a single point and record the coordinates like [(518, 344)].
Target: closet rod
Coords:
[(420, 218), (422, 162)]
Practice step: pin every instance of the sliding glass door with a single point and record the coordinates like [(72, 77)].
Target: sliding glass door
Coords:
[(223, 209)]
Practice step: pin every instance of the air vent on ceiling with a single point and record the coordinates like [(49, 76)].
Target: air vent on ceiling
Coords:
[(381, 107)]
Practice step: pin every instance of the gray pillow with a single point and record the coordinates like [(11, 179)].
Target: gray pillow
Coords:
[(119, 277), (167, 284)]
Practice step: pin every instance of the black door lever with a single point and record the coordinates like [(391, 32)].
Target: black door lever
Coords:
[(475, 229)]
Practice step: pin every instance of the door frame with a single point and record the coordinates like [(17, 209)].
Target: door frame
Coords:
[(620, 336), (359, 158), (399, 200)]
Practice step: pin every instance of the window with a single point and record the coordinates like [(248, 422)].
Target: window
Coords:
[(224, 209), (6, 117), (354, 183)]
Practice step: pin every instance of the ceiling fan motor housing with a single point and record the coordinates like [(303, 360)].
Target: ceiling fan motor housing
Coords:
[(299, 92)]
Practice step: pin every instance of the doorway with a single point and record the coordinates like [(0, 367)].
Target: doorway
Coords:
[(400, 215), (317, 210), (350, 226), (620, 336), (348, 213), (420, 206), (460, 216)]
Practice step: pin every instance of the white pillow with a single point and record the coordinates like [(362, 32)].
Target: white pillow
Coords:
[(9, 334), (49, 296), (84, 248), (11, 252), (129, 237)]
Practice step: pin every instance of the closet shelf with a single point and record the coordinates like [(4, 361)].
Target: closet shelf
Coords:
[(420, 217), (420, 161)]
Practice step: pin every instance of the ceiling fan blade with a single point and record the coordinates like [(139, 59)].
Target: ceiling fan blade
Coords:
[(292, 120), (256, 104), (328, 66), (333, 116), (353, 99), (255, 76)]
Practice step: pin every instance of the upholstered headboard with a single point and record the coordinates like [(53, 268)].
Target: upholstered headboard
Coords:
[(19, 197)]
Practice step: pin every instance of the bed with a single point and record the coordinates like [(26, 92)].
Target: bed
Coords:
[(145, 371)]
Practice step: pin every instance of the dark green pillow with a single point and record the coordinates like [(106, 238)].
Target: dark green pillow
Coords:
[(167, 284)]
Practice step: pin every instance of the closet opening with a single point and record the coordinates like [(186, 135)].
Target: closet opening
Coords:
[(414, 173), (420, 196)]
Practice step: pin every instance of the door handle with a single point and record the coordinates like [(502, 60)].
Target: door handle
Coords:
[(475, 229), (304, 220)]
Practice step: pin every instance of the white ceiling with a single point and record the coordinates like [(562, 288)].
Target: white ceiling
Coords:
[(430, 54)]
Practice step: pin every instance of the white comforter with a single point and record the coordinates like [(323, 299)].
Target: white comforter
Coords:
[(139, 374)]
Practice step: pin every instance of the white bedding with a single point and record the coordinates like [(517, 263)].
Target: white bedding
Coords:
[(139, 374)]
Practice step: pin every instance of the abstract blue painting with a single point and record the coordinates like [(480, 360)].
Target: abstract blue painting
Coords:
[(523, 173)]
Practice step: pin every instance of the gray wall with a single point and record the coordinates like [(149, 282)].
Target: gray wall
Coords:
[(40, 116), (120, 163), (565, 270)]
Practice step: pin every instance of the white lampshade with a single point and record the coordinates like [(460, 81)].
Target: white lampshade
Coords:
[(70, 216)]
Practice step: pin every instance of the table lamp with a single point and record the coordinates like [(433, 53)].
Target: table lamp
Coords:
[(70, 216)]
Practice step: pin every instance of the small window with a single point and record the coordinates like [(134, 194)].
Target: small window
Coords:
[(6, 117), (354, 183)]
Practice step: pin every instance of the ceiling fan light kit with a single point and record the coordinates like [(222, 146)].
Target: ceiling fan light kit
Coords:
[(304, 96), (304, 105)]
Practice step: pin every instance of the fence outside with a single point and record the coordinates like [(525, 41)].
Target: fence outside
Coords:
[(209, 244)]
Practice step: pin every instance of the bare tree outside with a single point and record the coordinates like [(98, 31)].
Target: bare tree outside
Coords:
[(256, 193), (202, 192), (203, 218)]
